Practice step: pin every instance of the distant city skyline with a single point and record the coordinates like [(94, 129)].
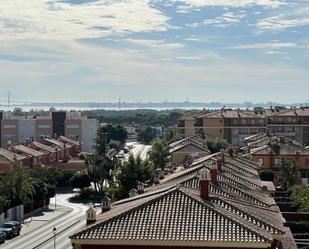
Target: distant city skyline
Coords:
[(152, 50)]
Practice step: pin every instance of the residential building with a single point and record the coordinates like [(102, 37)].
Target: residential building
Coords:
[(20, 129), (8, 157), (52, 154), (89, 135), (235, 125), (36, 157), (262, 151), (219, 202), (44, 127), (64, 149), (187, 149)]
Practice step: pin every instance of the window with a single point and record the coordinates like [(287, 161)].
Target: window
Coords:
[(261, 161), (46, 126), (73, 126), (307, 161), (9, 126)]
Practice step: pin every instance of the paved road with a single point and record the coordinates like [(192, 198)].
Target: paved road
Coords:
[(65, 225), (139, 149)]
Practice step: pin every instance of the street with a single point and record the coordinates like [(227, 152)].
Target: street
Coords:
[(42, 237), (140, 149)]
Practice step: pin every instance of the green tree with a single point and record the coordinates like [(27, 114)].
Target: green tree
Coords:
[(39, 189), (159, 153), (114, 144), (107, 133), (80, 180), (146, 135), (216, 144), (300, 196), (289, 172), (170, 135), (4, 202), (17, 185), (99, 170), (132, 171)]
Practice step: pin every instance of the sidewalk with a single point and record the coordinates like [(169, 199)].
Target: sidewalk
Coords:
[(41, 218)]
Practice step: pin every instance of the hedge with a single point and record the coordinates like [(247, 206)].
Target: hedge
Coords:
[(298, 227)]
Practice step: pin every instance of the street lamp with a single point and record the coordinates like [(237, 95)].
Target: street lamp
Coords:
[(55, 233), (55, 195), (105, 137)]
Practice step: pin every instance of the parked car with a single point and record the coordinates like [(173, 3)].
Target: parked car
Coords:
[(2, 236), (16, 224), (9, 230)]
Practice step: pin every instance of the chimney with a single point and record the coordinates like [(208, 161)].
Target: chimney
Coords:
[(57, 154), (204, 184), (133, 192), (222, 155), (106, 204), (231, 151), (161, 174), (267, 132), (297, 155), (156, 179), (214, 173), (271, 159), (91, 216), (219, 165), (140, 188)]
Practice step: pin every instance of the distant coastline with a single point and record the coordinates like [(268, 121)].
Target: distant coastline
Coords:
[(83, 106)]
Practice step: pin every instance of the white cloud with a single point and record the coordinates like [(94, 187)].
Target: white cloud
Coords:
[(293, 17), (190, 57), (63, 20), (234, 3), (227, 19), (192, 39), (273, 52), (155, 43), (270, 46), (279, 23), (98, 73)]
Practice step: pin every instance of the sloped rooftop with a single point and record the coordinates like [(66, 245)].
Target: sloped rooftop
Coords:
[(177, 215)]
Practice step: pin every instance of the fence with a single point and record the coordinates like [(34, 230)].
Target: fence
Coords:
[(15, 213)]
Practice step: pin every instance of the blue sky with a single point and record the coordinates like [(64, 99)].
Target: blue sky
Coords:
[(155, 50)]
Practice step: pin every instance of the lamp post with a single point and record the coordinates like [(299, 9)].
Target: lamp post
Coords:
[(105, 137), (55, 195), (55, 233)]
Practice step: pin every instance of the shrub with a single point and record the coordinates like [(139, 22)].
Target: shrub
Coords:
[(298, 227), (266, 175)]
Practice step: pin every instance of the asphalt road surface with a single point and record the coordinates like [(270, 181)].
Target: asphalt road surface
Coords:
[(42, 237), (139, 149)]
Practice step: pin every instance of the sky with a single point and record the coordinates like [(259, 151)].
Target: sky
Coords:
[(154, 50)]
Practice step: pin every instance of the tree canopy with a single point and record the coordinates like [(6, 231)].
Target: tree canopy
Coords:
[(289, 172), (131, 172), (146, 135), (215, 144), (159, 153)]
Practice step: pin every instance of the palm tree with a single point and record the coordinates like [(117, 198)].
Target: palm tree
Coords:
[(159, 154), (132, 171)]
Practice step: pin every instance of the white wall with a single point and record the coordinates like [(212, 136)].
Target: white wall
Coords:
[(89, 134), (26, 129)]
